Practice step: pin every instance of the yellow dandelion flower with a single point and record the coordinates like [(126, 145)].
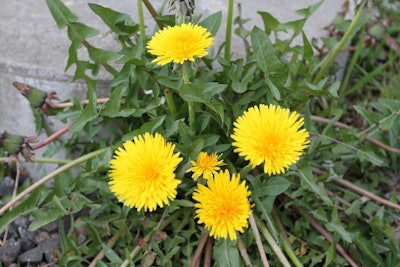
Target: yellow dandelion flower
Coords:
[(180, 43), (205, 165), (223, 205), (270, 135), (142, 172)]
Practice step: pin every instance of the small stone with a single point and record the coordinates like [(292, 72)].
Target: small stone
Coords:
[(22, 221), (41, 236), (27, 238), (6, 186), (49, 246), (50, 227), (34, 256), (9, 251)]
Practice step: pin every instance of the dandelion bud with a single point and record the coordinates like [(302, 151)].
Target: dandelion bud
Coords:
[(36, 97), (17, 145)]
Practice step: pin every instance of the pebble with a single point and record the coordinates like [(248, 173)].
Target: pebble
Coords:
[(6, 186), (10, 251)]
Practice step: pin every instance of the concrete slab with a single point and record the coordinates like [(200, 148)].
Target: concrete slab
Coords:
[(34, 51)]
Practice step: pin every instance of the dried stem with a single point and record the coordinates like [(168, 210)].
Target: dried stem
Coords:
[(199, 250), (83, 102), (366, 193), (110, 244), (327, 236), (208, 252), (341, 200), (243, 252), (51, 175), (257, 238), (52, 137), (369, 138)]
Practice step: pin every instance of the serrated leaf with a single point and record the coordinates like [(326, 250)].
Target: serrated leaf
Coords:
[(308, 180), (212, 23), (61, 14), (101, 56), (264, 51), (308, 11), (307, 48), (90, 112), (77, 32), (120, 23), (387, 123), (336, 226), (149, 127), (226, 253), (201, 92), (271, 24), (27, 206), (274, 186)]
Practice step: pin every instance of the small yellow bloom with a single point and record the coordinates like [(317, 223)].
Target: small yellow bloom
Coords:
[(270, 135), (223, 205), (205, 165), (180, 43), (142, 172)]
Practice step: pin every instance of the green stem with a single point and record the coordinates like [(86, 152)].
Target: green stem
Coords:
[(186, 81), (51, 175), (153, 13), (328, 61), (272, 243), (246, 170), (40, 160), (141, 20), (286, 244), (170, 102), (228, 35)]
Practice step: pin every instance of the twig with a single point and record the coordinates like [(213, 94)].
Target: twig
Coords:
[(199, 250), (341, 200), (272, 243), (366, 193), (51, 175), (208, 252), (110, 244), (359, 190), (369, 138), (257, 238), (39, 160), (83, 102), (327, 236), (52, 137), (243, 252)]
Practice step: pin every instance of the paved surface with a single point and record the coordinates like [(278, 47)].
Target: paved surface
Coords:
[(34, 51)]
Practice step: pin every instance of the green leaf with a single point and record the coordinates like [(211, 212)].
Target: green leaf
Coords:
[(212, 23), (89, 113), (120, 23), (148, 127), (308, 11), (201, 92), (226, 253), (271, 24), (61, 14), (264, 51), (307, 179), (274, 186), (111, 254), (336, 226), (308, 51), (101, 56), (27, 206), (78, 32), (274, 90)]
